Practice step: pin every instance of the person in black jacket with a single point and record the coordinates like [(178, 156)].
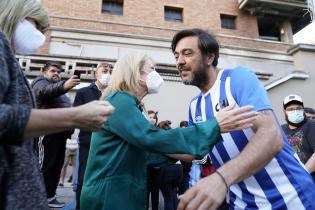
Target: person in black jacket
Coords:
[(50, 92), (83, 96)]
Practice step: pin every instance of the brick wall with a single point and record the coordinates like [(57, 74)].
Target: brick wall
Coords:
[(201, 13), (146, 17), (45, 48)]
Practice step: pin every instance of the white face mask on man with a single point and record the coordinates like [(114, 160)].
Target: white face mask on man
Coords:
[(104, 80), (27, 39), (295, 116), (154, 82)]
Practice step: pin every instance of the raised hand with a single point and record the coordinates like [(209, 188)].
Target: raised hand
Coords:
[(207, 194), (71, 82)]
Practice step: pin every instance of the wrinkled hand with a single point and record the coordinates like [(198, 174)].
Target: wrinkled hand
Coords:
[(71, 83), (230, 118), (91, 116), (207, 194)]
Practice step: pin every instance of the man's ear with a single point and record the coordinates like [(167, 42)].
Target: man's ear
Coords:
[(210, 59)]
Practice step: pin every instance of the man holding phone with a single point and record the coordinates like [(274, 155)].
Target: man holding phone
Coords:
[(50, 92)]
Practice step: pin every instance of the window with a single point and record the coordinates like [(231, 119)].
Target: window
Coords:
[(228, 21), (269, 27), (173, 14), (113, 7)]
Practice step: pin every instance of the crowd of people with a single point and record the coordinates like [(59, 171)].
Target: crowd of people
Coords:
[(231, 153)]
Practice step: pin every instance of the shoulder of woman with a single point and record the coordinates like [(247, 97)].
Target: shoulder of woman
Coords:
[(122, 98)]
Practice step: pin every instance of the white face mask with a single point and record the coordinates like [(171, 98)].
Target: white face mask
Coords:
[(154, 82), (295, 116), (104, 80), (27, 39)]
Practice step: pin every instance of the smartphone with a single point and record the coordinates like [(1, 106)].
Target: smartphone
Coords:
[(77, 73)]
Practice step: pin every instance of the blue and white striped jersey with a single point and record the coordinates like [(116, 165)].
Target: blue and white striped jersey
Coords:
[(283, 183)]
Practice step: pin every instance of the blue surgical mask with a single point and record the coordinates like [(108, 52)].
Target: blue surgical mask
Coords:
[(295, 116)]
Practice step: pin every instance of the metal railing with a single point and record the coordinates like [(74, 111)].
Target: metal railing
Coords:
[(32, 66)]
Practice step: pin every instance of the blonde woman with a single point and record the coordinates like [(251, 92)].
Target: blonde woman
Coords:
[(115, 176), (22, 24)]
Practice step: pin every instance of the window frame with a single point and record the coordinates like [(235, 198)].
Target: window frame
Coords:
[(228, 21), (170, 14), (115, 7)]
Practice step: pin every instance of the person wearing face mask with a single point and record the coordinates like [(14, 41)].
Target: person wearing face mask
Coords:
[(300, 131), (85, 95), (115, 176), (22, 23)]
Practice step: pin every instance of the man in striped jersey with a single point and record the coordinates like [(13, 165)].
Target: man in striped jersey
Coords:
[(256, 168)]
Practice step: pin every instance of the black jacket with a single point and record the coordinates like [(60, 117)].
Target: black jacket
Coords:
[(49, 94), (83, 96)]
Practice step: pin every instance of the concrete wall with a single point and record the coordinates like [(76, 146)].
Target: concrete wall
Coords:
[(304, 56), (172, 102)]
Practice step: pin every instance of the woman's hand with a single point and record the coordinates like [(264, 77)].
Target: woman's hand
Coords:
[(230, 118)]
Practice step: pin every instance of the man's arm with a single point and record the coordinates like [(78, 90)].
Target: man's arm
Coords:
[(310, 138), (310, 164), (262, 147), (44, 90)]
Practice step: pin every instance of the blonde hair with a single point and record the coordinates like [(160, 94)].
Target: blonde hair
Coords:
[(14, 11), (126, 73)]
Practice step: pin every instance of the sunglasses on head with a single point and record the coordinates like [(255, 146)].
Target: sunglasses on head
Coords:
[(105, 65)]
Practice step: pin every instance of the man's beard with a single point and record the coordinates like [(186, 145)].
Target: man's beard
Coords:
[(54, 80), (200, 77)]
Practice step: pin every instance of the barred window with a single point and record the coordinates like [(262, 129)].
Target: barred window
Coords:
[(228, 21), (113, 7), (173, 14)]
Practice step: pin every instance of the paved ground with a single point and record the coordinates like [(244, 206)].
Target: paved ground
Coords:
[(65, 194)]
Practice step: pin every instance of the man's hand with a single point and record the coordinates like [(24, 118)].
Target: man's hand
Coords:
[(71, 83), (207, 194), (91, 116)]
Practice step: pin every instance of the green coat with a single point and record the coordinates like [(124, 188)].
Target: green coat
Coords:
[(115, 176)]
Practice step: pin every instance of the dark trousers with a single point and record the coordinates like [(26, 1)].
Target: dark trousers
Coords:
[(84, 148), (51, 156), (171, 178), (153, 185), (183, 186)]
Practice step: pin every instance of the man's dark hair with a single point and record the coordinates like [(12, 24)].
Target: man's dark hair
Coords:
[(183, 124), (309, 110), (166, 125), (52, 63), (207, 44), (155, 115)]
